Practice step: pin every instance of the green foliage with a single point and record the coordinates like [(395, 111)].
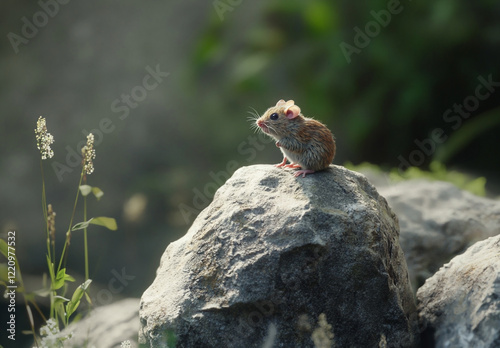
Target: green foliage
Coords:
[(364, 167), (437, 171)]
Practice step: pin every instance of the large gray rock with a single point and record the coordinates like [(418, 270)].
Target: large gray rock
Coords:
[(438, 221), (460, 305), (279, 261)]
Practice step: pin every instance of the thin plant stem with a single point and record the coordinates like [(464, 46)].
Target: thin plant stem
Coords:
[(51, 255), (44, 209), (63, 255), (53, 252), (86, 255), (85, 239)]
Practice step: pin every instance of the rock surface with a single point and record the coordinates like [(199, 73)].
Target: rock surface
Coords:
[(460, 305), (106, 326), (279, 261), (438, 221)]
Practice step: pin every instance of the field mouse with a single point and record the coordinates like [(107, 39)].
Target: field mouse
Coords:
[(306, 143)]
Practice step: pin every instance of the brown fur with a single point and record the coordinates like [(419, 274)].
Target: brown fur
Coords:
[(302, 140)]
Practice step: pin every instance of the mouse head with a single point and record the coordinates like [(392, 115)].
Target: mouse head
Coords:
[(278, 120)]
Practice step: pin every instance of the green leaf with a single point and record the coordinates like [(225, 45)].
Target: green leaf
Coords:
[(77, 296), (97, 192), (30, 316), (81, 225), (59, 306), (85, 190), (61, 274), (107, 222), (3, 248), (58, 284), (60, 299), (62, 278), (71, 307)]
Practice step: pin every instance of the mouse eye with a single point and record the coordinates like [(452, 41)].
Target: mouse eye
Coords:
[(274, 116)]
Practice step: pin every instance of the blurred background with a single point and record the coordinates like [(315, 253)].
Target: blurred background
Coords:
[(167, 87)]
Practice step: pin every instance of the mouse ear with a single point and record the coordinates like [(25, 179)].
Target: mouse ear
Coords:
[(292, 111), (281, 102)]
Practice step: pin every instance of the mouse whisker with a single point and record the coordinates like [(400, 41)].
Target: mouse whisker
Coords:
[(255, 127), (255, 112), (253, 117)]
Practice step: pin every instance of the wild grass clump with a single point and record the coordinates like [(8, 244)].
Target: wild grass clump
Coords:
[(55, 285)]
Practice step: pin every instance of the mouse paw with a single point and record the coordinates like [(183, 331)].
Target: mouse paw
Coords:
[(303, 172), (293, 165), (282, 163)]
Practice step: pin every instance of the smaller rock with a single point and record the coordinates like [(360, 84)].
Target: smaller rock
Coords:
[(106, 326), (460, 305), (438, 221)]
